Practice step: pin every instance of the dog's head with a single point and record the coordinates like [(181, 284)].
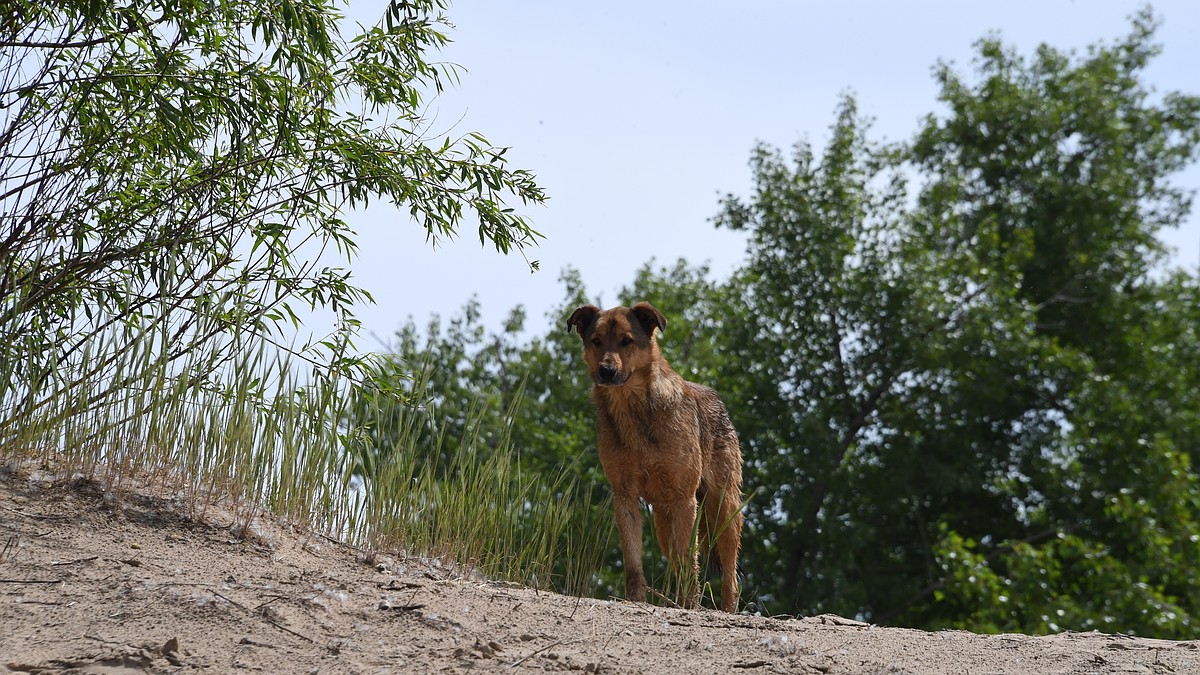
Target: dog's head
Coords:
[(617, 342)]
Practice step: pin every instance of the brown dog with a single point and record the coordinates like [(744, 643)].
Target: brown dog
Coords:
[(664, 440)]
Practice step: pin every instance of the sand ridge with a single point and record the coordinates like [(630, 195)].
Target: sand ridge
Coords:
[(92, 582)]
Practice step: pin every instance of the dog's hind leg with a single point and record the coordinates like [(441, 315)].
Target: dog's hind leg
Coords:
[(724, 516)]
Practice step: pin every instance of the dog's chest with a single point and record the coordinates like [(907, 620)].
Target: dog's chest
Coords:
[(642, 428), (653, 452)]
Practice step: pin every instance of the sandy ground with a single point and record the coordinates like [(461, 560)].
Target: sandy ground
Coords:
[(92, 583)]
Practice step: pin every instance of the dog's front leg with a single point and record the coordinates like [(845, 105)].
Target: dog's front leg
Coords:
[(629, 525), (675, 525)]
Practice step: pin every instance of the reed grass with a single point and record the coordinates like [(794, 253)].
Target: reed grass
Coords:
[(234, 420)]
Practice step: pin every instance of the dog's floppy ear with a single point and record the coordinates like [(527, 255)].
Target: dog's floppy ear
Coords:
[(582, 318), (649, 317)]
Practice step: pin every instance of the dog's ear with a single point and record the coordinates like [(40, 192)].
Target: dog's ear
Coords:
[(649, 317), (582, 318)]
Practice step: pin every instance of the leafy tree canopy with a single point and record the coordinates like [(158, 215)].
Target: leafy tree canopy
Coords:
[(955, 328)]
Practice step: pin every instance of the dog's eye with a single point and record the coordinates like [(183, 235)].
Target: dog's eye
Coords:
[(626, 341), (596, 341)]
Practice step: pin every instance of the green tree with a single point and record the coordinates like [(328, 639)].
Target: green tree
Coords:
[(170, 175), (985, 418), (470, 372)]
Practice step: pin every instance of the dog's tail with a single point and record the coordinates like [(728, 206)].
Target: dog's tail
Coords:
[(712, 567)]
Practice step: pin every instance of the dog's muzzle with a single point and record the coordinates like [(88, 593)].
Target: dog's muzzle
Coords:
[(606, 373)]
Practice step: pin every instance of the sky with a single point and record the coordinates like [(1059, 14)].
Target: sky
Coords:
[(637, 117)]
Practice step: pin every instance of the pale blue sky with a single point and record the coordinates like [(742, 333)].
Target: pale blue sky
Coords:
[(637, 116)]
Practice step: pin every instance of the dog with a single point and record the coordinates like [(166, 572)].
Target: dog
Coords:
[(666, 441)]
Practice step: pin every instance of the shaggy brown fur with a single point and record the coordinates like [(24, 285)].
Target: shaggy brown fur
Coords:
[(666, 441)]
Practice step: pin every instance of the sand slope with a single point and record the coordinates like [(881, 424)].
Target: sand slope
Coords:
[(93, 583)]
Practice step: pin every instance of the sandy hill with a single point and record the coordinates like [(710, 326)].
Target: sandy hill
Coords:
[(96, 583)]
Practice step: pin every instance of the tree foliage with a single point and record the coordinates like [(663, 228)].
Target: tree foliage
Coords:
[(966, 447), (964, 380), (172, 174)]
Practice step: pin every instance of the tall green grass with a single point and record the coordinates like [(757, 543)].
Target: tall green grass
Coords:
[(480, 509), (240, 422)]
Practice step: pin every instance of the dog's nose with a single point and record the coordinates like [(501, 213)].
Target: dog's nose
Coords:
[(606, 372)]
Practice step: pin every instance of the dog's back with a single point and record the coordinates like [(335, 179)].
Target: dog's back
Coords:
[(718, 439)]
